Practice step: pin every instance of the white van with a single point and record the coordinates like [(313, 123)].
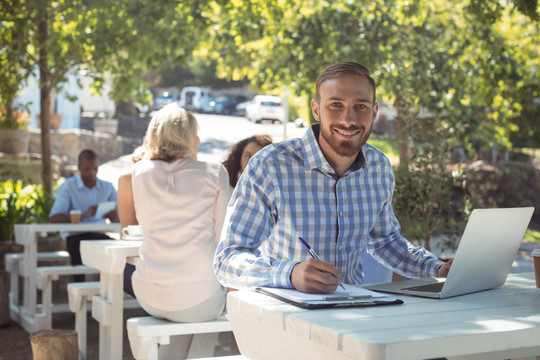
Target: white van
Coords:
[(195, 98)]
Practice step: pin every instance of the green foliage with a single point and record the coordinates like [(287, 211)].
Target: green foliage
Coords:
[(429, 196), (453, 70), (102, 37), (511, 184), (532, 235), (22, 203), (13, 119)]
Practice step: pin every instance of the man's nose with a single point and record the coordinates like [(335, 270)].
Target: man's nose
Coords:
[(349, 115)]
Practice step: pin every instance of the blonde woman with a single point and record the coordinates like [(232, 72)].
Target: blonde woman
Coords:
[(180, 205)]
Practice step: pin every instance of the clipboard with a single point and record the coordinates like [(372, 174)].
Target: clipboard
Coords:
[(104, 207), (352, 296)]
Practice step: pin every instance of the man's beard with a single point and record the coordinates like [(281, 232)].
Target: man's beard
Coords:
[(343, 147)]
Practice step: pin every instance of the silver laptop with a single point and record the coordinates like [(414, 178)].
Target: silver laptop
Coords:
[(483, 259)]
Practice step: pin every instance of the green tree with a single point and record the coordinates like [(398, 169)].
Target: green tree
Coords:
[(450, 85), (119, 37)]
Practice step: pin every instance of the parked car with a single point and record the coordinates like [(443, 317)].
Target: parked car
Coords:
[(193, 98), (265, 107), (207, 104), (165, 98), (241, 108), (226, 104)]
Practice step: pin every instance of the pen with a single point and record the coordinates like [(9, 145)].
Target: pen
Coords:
[(313, 253), (348, 297)]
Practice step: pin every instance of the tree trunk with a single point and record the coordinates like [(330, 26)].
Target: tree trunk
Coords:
[(401, 134), (4, 297), (54, 344), (45, 93)]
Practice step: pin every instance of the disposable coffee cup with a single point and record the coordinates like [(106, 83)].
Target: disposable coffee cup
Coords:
[(536, 259), (75, 216)]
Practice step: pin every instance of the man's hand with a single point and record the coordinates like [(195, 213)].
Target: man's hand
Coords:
[(112, 216), (315, 276), (444, 269), (89, 213)]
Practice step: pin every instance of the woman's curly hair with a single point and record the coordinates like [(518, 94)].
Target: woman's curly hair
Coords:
[(232, 162)]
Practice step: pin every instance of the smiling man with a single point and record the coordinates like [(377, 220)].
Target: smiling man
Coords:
[(332, 189)]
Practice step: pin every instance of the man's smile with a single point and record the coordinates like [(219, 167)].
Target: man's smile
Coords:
[(348, 133)]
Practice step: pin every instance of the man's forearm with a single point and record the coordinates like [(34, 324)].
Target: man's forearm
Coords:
[(60, 218)]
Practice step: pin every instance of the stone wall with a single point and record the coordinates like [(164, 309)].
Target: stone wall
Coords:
[(67, 144), (109, 138)]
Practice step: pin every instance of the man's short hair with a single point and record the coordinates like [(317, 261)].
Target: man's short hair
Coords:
[(343, 68), (87, 154)]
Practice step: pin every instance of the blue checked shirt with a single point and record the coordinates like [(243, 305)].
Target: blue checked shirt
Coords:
[(290, 190)]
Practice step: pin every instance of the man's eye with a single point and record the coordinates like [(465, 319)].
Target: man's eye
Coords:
[(361, 107), (335, 104)]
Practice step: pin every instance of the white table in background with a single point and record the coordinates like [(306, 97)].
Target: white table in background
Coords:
[(496, 324), (109, 257), (27, 236)]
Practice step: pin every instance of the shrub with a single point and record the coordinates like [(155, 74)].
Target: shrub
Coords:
[(22, 203)]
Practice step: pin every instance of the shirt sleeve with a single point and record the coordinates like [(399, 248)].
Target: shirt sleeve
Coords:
[(62, 202), (251, 216)]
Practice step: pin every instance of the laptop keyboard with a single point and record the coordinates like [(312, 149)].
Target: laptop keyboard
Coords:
[(435, 287)]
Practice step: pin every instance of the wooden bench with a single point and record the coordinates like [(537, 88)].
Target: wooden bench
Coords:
[(146, 333), (45, 275), (13, 262), (79, 295)]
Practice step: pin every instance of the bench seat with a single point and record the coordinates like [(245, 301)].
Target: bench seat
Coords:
[(147, 332), (45, 275), (13, 263)]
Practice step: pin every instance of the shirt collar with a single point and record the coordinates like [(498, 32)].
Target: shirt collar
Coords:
[(80, 183), (314, 158)]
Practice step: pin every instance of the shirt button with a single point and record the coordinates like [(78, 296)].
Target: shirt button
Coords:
[(341, 213), (340, 247)]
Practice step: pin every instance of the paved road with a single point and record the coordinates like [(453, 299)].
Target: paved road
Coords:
[(217, 133)]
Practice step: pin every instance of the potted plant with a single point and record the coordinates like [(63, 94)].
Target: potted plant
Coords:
[(14, 135), (55, 119)]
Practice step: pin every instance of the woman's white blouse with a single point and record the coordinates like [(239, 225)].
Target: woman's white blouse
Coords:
[(180, 207)]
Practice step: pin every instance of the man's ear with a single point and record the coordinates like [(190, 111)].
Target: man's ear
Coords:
[(315, 109), (375, 111)]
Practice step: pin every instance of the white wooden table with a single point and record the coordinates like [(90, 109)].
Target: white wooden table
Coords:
[(109, 257), (27, 236), (496, 324)]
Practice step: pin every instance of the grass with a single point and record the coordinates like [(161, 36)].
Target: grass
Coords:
[(387, 146), (532, 235)]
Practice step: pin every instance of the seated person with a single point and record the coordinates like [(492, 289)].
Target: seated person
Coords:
[(240, 153), (179, 204), (329, 187), (83, 192)]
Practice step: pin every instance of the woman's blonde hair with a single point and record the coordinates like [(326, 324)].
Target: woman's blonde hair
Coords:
[(170, 135)]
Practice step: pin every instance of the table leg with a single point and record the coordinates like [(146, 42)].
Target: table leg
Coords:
[(108, 309), (29, 279)]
